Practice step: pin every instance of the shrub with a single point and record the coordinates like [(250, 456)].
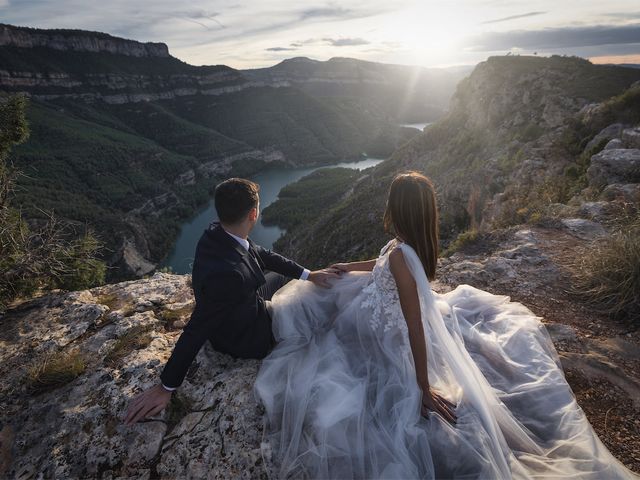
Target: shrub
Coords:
[(607, 273), (465, 238), (81, 269)]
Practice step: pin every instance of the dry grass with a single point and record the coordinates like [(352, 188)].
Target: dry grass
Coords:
[(176, 314), (134, 339), (114, 302), (109, 299), (607, 273), (55, 370)]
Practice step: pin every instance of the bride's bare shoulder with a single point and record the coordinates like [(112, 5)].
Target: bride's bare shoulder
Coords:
[(397, 263), (400, 271)]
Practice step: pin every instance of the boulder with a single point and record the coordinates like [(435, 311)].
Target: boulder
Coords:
[(629, 192), (614, 166), (612, 131), (631, 137), (613, 144), (584, 229), (593, 210)]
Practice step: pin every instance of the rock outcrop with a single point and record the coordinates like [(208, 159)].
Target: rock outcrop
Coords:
[(125, 332)]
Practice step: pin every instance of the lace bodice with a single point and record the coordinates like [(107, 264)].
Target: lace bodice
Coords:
[(382, 294)]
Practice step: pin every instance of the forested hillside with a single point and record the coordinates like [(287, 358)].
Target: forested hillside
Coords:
[(131, 140)]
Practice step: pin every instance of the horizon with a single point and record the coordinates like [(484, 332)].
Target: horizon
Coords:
[(431, 34)]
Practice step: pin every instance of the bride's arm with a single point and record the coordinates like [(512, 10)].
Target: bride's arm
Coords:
[(408, 295), (366, 266)]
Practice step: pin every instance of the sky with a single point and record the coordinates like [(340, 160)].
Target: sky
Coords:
[(262, 33)]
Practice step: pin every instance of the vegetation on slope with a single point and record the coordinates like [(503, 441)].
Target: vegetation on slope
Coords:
[(95, 163), (48, 255), (302, 201), (472, 154)]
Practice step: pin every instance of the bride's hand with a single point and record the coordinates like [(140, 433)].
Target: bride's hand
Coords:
[(343, 267), (432, 401), (322, 277)]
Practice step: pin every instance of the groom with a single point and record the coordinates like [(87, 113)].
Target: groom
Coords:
[(232, 293)]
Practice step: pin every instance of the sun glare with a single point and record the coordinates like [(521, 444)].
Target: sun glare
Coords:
[(427, 31)]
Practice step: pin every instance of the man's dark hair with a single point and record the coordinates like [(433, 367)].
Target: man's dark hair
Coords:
[(234, 198)]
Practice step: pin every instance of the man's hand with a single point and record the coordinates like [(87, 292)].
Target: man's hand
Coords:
[(321, 277), (150, 402)]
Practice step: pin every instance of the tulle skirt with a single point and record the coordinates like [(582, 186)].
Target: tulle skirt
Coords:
[(341, 398)]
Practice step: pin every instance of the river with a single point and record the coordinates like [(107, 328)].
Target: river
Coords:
[(271, 181), (419, 126)]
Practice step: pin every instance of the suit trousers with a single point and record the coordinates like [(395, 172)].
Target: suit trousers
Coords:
[(274, 281)]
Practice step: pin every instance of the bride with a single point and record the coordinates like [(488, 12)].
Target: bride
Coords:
[(381, 377)]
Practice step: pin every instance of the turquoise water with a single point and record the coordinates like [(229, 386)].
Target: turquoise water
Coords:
[(180, 259)]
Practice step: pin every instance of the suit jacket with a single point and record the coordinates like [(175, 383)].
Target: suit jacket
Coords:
[(228, 311)]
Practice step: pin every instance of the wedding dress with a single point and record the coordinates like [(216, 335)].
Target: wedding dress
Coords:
[(341, 398)]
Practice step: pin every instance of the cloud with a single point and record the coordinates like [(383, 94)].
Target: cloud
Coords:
[(623, 15), (567, 37), (279, 49), (197, 15), (345, 42), (513, 17), (325, 12), (334, 42)]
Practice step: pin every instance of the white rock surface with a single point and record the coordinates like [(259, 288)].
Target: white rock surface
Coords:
[(75, 430)]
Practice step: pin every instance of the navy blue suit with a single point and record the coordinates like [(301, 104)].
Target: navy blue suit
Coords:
[(229, 311)]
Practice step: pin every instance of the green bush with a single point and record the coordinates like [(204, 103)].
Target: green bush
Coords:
[(465, 238)]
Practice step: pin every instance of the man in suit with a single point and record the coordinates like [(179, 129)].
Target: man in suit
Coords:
[(232, 293)]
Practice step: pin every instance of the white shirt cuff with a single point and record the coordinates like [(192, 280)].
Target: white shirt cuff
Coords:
[(170, 389), (305, 274)]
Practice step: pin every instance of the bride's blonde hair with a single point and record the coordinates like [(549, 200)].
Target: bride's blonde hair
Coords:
[(412, 214)]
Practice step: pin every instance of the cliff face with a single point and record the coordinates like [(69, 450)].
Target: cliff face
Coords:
[(504, 94), (91, 66), (79, 41)]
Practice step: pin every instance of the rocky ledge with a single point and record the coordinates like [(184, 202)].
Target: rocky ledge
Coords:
[(71, 362)]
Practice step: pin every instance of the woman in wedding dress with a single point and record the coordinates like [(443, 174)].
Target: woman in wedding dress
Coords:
[(381, 377)]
